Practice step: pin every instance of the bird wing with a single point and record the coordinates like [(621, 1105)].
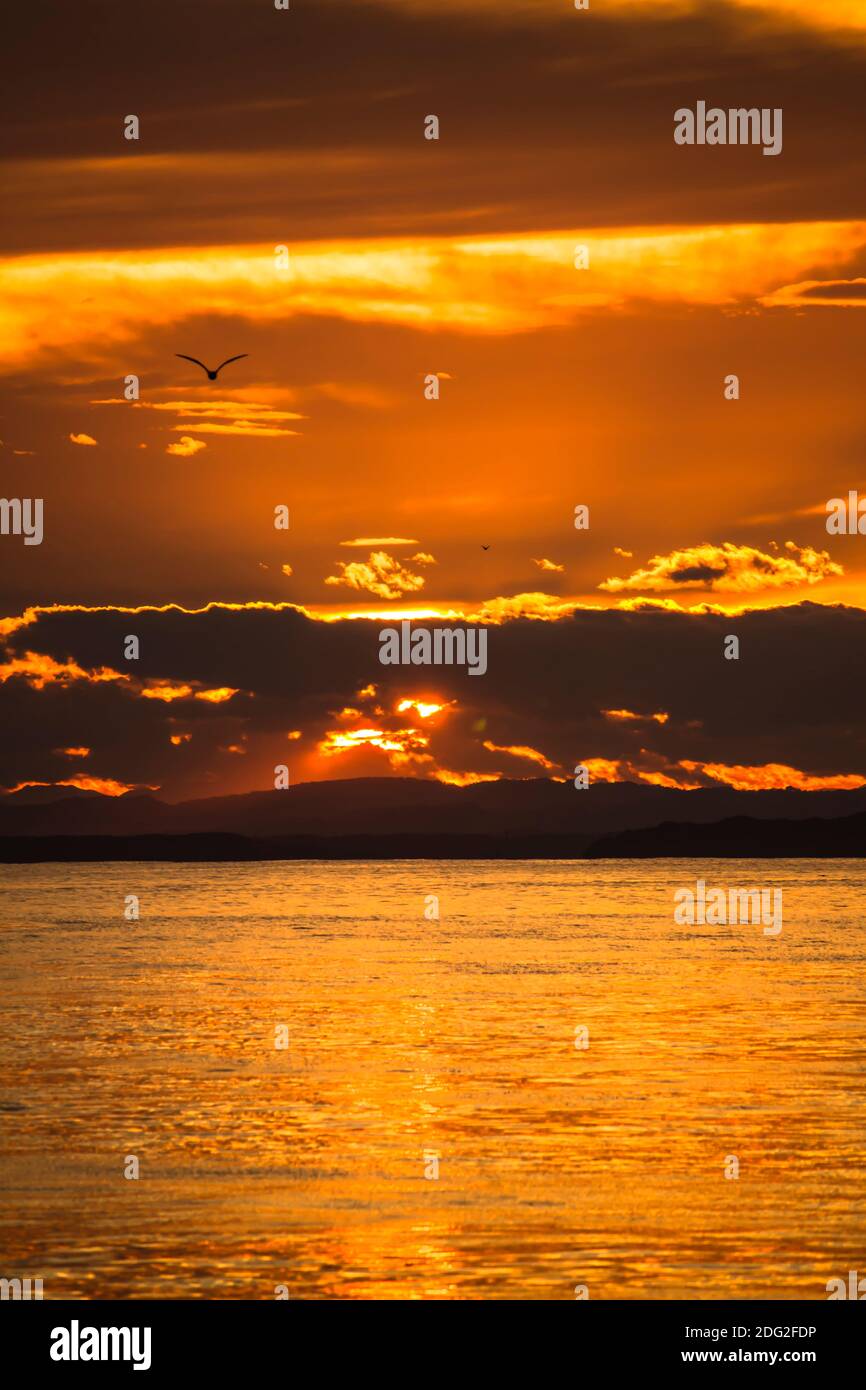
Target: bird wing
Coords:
[(232, 359), (192, 359)]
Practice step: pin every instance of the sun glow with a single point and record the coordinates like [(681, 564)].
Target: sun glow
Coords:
[(421, 708), (402, 745)]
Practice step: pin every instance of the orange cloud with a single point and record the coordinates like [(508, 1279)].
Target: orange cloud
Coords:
[(664, 779), (364, 542), (380, 574), (689, 775), (73, 752), (249, 429), (605, 770), (218, 695), (775, 776), (626, 714), (470, 284), (107, 786), (544, 607), (522, 751), (464, 779), (738, 568), (817, 294), (670, 605), (246, 418), (224, 410), (40, 670), (185, 447), (230, 410), (168, 691), (82, 439), (550, 565)]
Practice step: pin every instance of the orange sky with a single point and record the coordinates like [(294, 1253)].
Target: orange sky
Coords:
[(560, 384)]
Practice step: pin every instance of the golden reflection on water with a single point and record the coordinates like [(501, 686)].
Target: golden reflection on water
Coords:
[(407, 1037)]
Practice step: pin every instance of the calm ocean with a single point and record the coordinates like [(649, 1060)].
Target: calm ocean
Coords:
[(416, 1045)]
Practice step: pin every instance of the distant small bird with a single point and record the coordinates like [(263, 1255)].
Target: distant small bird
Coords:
[(211, 376), (485, 547)]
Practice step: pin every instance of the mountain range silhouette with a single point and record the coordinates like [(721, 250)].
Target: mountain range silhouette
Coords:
[(414, 818)]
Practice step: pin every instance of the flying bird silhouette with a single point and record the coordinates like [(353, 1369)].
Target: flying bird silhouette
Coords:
[(485, 547), (211, 376)]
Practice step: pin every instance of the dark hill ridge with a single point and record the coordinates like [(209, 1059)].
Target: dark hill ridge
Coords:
[(545, 817), (740, 837)]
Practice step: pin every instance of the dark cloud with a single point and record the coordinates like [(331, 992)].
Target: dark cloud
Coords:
[(690, 574), (836, 289), (794, 697), (545, 123)]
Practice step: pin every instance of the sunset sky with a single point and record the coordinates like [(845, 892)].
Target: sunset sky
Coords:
[(559, 386)]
